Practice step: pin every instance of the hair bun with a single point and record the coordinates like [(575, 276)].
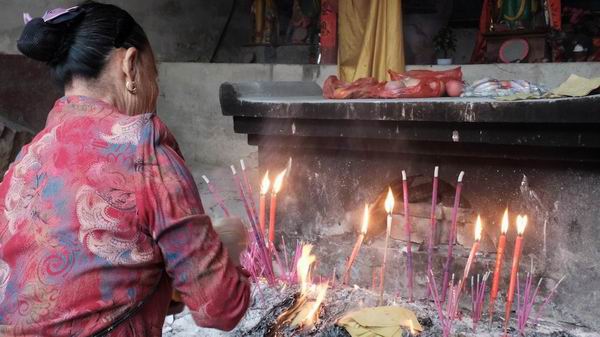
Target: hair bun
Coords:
[(41, 41)]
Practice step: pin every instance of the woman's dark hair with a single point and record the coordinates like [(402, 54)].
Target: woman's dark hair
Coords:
[(78, 43)]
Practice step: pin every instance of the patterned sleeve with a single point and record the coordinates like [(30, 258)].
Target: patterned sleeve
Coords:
[(195, 259)]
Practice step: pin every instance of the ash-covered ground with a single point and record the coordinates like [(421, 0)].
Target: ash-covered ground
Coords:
[(269, 302)]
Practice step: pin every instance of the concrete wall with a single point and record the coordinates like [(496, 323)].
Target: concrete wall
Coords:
[(179, 30)]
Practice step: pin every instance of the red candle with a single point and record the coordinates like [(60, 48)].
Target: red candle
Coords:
[(407, 231), (521, 224), (474, 248), (264, 189), (357, 245), (389, 208), (272, 210), (499, 261)]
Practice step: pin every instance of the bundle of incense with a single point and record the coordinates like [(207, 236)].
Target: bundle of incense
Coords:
[(244, 197), (216, 195), (249, 189), (433, 229), (264, 253), (477, 297), (452, 235), (408, 230)]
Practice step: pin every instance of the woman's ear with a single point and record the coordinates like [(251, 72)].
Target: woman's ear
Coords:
[(130, 65)]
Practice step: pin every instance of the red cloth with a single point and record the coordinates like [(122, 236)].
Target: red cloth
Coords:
[(478, 55), (98, 213)]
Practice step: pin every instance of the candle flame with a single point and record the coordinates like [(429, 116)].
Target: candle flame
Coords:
[(389, 201), (504, 228), (365, 223), (278, 182), (264, 185), (303, 267), (478, 228), (521, 224)]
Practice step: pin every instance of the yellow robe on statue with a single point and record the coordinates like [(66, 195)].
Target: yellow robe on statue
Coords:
[(370, 37)]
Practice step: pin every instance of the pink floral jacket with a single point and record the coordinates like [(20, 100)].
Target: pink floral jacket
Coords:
[(99, 214)]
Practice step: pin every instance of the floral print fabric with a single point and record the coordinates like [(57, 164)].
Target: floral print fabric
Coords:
[(99, 213)]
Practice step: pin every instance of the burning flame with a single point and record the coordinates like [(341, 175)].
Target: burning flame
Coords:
[(303, 267), (365, 223), (318, 292), (264, 185), (389, 201), (278, 182), (313, 315), (478, 228), (413, 331), (521, 224), (504, 228)]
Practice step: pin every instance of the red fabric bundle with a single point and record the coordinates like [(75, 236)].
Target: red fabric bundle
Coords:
[(443, 75), (411, 84)]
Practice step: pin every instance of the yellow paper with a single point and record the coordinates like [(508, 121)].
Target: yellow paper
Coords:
[(379, 322), (577, 86)]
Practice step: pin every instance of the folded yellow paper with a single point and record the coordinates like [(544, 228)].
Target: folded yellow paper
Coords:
[(380, 322), (577, 86)]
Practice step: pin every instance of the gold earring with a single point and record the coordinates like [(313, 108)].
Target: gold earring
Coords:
[(130, 85)]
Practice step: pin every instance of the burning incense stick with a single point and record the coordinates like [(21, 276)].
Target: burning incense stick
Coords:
[(264, 190), (357, 245), (407, 230), (249, 190), (498, 267), (273, 209), (452, 235), (474, 248), (389, 208), (521, 224), (216, 195), (433, 229), (243, 196)]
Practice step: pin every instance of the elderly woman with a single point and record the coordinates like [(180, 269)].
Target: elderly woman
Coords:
[(100, 220)]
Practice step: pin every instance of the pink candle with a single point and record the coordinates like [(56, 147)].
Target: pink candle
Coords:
[(357, 245), (474, 248), (216, 195), (243, 196), (248, 187), (433, 229), (452, 236), (389, 208), (407, 230)]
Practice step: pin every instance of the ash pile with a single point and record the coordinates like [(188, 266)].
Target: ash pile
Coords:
[(269, 303)]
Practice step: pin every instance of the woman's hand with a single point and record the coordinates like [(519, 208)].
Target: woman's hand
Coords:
[(234, 236)]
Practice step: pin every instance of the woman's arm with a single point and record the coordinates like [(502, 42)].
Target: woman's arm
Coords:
[(194, 256)]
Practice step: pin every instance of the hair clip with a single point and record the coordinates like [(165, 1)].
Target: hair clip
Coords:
[(26, 18), (59, 15)]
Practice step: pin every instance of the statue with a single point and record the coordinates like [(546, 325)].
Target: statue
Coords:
[(517, 14), (265, 21)]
